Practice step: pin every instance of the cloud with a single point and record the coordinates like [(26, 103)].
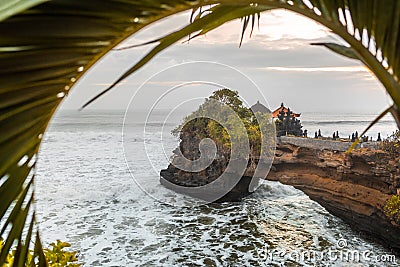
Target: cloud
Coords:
[(284, 24), (274, 25), (278, 57), (319, 69)]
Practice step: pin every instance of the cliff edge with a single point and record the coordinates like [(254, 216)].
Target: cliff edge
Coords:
[(354, 187)]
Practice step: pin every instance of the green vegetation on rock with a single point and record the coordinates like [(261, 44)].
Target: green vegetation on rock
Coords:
[(392, 208), (392, 144), (224, 119)]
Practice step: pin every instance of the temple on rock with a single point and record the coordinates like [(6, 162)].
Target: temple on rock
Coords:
[(282, 108), (285, 120)]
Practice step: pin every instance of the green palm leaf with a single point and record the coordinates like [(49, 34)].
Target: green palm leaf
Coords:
[(12, 7), (40, 59), (46, 46), (340, 49), (380, 116), (218, 15)]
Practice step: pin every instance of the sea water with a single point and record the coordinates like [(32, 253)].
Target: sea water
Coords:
[(87, 196)]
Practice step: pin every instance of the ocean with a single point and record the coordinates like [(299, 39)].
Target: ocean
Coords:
[(97, 188)]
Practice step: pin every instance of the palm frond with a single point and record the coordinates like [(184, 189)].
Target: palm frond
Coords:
[(12, 7), (370, 27), (376, 120), (345, 51), (46, 46), (216, 16)]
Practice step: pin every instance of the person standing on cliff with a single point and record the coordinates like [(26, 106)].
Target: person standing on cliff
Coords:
[(379, 138)]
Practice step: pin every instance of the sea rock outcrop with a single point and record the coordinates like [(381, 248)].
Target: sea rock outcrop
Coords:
[(185, 174), (354, 187)]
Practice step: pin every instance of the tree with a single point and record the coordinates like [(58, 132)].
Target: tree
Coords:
[(32, 87), (228, 97), (232, 100), (224, 119)]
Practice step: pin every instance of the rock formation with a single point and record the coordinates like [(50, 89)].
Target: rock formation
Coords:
[(354, 187), (178, 176)]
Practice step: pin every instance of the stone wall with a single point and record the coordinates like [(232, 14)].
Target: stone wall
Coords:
[(323, 144)]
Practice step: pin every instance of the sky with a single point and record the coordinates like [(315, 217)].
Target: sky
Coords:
[(277, 64)]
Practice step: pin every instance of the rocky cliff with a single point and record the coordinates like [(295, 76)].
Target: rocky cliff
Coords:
[(352, 186), (193, 167)]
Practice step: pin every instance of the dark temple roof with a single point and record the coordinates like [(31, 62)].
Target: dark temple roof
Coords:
[(258, 107)]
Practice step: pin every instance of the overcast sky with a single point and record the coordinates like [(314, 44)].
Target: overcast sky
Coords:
[(278, 58)]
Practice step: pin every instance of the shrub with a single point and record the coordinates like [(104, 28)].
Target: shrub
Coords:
[(57, 256), (392, 208), (224, 107), (392, 144)]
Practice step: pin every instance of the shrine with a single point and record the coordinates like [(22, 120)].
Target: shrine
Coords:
[(286, 121)]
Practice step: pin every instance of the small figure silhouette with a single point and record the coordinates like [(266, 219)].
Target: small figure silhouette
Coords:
[(379, 137)]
